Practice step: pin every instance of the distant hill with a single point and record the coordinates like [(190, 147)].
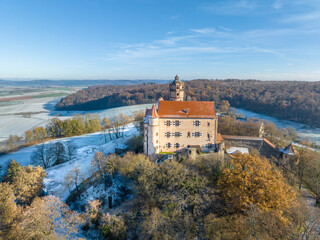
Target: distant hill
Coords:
[(291, 100), (73, 83)]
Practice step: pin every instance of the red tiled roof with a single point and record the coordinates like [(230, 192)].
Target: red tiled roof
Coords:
[(186, 109), (270, 143)]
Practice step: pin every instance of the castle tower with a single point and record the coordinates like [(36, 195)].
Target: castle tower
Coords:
[(176, 90)]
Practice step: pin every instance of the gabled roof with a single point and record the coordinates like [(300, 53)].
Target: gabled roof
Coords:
[(186, 109), (290, 150)]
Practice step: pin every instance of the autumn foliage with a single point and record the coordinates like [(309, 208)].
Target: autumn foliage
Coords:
[(253, 182)]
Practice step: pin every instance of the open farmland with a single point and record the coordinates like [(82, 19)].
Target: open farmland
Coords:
[(30, 109), (22, 109)]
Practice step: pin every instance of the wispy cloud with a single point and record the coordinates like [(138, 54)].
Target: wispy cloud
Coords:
[(301, 18), (203, 43), (204, 30), (230, 7)]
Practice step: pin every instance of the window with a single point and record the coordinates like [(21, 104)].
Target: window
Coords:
[(189, 134), (157, 141), (157, 134), (196, 123), (177, 145), (167, 134), (209, 136), (208, 124), (177, 122), (197, 134), (167, 123), (177, 134), (168, 145)]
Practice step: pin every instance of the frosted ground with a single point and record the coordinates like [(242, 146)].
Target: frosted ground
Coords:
[(303, 130), (12, 124), (87, 146)]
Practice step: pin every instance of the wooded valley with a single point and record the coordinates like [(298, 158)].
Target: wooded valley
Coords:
[(291, 100)]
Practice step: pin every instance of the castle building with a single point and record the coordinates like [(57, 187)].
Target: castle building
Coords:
[(176, 124)]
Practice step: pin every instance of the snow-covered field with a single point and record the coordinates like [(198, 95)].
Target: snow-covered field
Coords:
[(303, 130), (12, 124), (87, 146)]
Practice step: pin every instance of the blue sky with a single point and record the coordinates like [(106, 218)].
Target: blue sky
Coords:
[(156, 39)]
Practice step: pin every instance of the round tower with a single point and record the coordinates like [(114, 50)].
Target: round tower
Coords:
[(176, 90)]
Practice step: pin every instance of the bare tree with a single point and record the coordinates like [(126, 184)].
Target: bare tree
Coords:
[(117, 125), (105, 126), (71, 150), (13, 142), (42, 155), (58, 153), (74, 179)]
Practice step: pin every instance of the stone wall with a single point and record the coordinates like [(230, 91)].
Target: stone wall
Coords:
[(261, 144)]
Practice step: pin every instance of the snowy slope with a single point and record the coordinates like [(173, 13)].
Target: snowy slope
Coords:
[(87, 145)]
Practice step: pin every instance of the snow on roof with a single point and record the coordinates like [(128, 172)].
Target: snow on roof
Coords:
[(233, 150), (289, 150)]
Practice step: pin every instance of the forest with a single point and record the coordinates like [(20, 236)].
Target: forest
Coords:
[(244, 197), (290, 100), (133, 197)]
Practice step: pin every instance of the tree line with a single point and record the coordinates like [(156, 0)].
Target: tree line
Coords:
[(78, 125), (291, 100)]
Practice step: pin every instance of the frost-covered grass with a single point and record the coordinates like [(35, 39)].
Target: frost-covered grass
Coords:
[(304, 131), (13, 124), (87, 146)]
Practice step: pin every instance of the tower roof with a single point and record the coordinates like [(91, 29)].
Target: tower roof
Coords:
[(154, 113), (176, 79)]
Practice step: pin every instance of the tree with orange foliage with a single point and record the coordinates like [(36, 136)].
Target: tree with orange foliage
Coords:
[(252, 182)]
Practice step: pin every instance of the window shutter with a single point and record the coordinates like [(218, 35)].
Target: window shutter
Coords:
[(194, 122), (193, 134), (200, 134), (165, 123), (173, 123), (179, 122), (173, 134), (199, 123)]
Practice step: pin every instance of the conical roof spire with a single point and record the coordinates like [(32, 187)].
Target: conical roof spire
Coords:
[(154, 113)]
